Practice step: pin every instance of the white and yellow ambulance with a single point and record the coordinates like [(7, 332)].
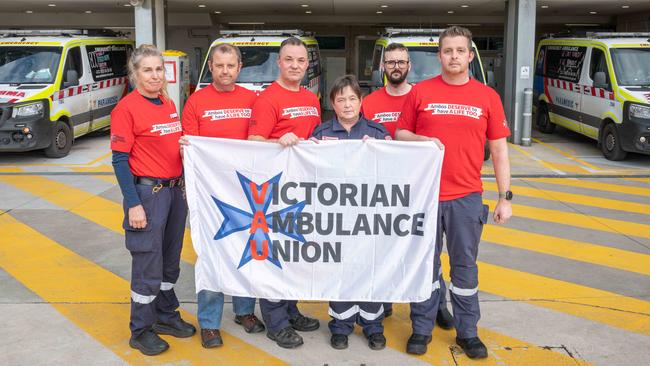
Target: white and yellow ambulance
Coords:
[(260, 50), (599, 86), (422, 44), (58, 85)]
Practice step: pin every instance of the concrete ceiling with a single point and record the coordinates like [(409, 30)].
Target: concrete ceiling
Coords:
[(338, 7)]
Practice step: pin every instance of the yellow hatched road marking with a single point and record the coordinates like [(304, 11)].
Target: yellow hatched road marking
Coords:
[(106, 178), (579, 199), (10, 170), (499, 274), (545, 164), (585, 302), (578, 220), (97, 301), (91, 207), (599, 186), (565, 154), (397, 330), (571, 249), (638, 179)]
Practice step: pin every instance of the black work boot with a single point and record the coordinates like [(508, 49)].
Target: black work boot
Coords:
[(303, 323), (417, 344), (376, 341), (149, 343), (339, 341), (286, 338), (444, 319), (179, 328), (473, 347)]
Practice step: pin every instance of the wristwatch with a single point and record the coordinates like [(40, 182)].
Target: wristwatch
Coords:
[(507, 195)]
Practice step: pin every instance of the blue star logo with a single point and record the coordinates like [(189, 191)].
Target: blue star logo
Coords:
[(257, 221)]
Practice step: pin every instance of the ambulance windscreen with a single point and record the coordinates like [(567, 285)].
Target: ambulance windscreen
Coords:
[(259, 66), (29, 65), (632, 66)]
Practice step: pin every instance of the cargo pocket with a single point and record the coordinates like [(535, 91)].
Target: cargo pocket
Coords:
[(140, 240)]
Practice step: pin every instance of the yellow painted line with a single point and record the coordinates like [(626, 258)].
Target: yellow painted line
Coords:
[(11, 170), (545, 164), (579, 199), (607, 187), (578, 220), (585, 302), (94, 169), (567, 155), (97, 300), (100, 158), (502, 350), (94, 208), (639, 179), (571, 249), (106, 178)]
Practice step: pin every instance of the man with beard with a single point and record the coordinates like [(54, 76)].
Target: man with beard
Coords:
[(385, 106)]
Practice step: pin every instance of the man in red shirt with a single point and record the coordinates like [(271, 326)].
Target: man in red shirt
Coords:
[(385, 106), (459, 112), (222, 109), (286, 113)]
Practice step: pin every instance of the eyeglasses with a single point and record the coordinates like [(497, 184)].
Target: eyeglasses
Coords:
[(392, 63)]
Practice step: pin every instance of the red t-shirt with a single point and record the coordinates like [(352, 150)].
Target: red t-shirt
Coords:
[(212, 113), (383, 108), (461, 117), (278, 111), (149, 133)]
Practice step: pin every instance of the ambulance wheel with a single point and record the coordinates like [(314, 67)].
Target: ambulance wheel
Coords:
[(544, 123), (611, 143), (61, 141)]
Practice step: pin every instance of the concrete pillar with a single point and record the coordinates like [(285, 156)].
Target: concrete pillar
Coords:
[(150, 23), (519, 54)]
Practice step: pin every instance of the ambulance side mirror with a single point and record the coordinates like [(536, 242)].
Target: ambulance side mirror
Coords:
[(71, 78), (376, 79), (600, 81)]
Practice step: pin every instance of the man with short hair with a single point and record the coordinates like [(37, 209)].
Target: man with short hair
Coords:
[(221, 109), (286, 113), (459, 112), (385, 106)]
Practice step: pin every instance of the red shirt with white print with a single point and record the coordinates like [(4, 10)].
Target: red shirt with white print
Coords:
[(383, 108), (462, 117), (149, 133), (278, 111), (213, 113)]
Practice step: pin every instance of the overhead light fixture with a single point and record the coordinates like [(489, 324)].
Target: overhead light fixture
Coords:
[(625, 6), (202, 5), (384, 6), (464, 6), (450, 12), (29, 11), (379, 12), (217, 12), (305, 5), (51, 5), (88, 11), (593, 12), (544, 6), (127, 5), (308, 12)]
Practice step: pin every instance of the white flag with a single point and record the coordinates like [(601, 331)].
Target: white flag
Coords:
[(338, 220)]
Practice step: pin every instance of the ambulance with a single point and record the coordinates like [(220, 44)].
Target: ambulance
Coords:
[(58, 85), (597, 85), (260, 50), (423, 54)]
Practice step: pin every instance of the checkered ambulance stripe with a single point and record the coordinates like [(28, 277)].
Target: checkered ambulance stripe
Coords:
[(76, 90), (584, 89)]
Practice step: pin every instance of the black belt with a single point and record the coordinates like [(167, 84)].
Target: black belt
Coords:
[(174, 182)]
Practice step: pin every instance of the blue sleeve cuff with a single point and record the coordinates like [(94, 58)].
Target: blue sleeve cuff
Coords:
[(125, 178)]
